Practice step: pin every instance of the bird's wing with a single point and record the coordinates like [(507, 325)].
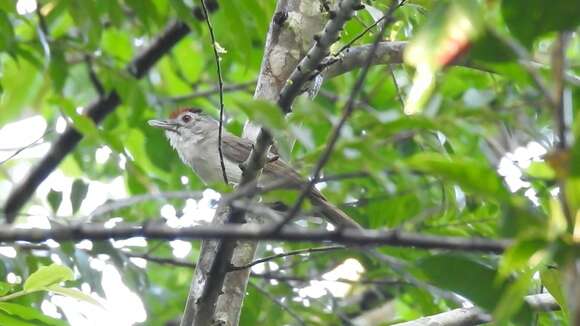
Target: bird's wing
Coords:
[(238, 149)]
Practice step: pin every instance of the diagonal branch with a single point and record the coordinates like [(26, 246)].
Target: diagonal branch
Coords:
[(97, 111), (475, 316)]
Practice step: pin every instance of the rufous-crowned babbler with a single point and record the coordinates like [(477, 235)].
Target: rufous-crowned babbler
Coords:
[(194, 135)]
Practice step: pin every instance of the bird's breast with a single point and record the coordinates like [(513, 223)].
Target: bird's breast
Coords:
[(205, 162)]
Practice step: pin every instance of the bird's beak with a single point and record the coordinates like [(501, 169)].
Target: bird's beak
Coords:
[(163, 124)]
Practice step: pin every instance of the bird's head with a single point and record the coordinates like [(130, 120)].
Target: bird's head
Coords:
[(186, 126)]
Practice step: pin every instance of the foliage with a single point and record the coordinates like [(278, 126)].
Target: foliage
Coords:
[(467, 165), (46, 278)]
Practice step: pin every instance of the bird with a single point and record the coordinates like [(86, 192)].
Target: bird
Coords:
[(194, 135)]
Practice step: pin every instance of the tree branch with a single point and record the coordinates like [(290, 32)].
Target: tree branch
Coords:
[(348, 109), (310, 63), (97, 111), (97, 231), (475, 316), (353, 58)]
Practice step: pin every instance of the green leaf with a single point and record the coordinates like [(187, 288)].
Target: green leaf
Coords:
[(75, 294), (114, 10), (54, 199), (512, 300), (573, 195), (8, 6), (526, 253), (46, 276), (446, 36), (21, 82), (491, 49), (541, 170), (78, 193), (6, 33), (145, 10), (552, 280), (464, 276), (264, 113), (82, 123), (117, 43), (86, 17), (4, 288), (269, 115), (6, 319), (470, 174), (540, 17), (58, 70), (28, 313)]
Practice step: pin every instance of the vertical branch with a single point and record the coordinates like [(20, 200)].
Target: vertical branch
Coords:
[(220, 87)]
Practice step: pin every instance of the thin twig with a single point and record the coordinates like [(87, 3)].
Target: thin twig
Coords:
[(349, 108), (308, 280), (221, 89), (93, 76), (397, 88), (20, 150), (287, 254), (359, 36)]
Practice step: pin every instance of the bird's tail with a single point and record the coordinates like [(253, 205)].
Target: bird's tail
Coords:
[(334, 214)]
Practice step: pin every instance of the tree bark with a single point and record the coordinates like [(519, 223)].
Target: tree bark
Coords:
[(293, 26), (475, 316)]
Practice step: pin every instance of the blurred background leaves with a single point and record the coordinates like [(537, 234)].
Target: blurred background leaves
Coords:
[(457, 169)]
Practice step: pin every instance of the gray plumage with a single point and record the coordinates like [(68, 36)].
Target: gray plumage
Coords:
[(194, 135)]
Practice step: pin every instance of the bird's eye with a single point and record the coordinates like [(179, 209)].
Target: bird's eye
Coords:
[(186, 118)]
